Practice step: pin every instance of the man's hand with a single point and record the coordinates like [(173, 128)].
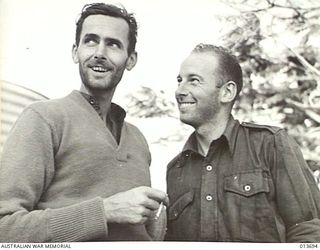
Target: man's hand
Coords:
[(134, 206)]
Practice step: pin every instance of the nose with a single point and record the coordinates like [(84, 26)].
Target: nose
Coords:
[(181, 91), (100, 52)]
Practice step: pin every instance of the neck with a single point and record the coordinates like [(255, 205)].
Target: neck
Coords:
[(210, 131), (104, 99)]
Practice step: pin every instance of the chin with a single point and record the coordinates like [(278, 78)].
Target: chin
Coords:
[(99, 86), (188, 121)]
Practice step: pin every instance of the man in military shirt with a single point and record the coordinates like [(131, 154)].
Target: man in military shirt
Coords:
[(232, 181)]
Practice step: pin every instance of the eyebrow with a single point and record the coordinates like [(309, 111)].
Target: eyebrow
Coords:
[(114, 40), (191, 75), (90, 35)]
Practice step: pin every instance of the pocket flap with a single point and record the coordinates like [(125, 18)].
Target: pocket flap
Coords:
[(247, 183), (177, 207)]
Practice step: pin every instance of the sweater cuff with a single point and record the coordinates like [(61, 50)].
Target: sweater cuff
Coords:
[(80, 222)]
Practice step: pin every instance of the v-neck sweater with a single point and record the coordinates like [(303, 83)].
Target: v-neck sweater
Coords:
[(59, 162)]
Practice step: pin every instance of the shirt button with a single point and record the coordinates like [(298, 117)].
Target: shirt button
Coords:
[(247, 188), (209, 168), (209, 197), (92, 101)]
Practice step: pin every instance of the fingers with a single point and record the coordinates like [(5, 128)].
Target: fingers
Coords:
[(157, 195), (134, 206), (147, 213), (166, 200), (151, 204)]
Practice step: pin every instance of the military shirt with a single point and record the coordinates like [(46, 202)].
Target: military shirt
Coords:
[(253, 186)]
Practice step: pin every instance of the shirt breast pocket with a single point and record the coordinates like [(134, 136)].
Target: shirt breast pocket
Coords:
[(247, 183), (180, 218), (179, 205), (247, 205)]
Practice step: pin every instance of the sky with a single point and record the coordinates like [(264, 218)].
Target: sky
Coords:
[(37, 37)]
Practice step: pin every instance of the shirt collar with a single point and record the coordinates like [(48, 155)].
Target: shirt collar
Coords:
[(116, 112), (230, 134)]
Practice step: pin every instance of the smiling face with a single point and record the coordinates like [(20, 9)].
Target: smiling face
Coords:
[(102, 52), (198, 94)]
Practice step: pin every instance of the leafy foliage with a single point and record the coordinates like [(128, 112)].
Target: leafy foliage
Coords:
[(147, 103), (282, 81)]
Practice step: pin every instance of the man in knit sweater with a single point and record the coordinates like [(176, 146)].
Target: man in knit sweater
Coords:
[(72, 169)]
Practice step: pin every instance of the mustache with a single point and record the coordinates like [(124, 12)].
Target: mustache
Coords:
[(100, 63)]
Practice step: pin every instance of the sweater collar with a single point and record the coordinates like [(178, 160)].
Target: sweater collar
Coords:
[(117, 113)]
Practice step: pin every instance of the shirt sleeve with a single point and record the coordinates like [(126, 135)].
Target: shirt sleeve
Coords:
[(27, 169), (297, 195)]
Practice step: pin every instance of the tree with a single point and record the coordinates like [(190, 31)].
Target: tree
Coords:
[(282, 84)]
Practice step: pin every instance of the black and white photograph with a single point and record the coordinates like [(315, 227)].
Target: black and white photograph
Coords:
[(160, 124)]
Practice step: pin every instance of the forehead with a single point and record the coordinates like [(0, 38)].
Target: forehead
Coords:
[(106, 26), (199, 63)]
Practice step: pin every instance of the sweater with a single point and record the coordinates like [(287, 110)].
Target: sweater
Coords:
[(58, 163)]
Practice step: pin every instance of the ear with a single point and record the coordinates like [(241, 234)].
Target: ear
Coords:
[(75, 53), (132, 60), (228, 92)]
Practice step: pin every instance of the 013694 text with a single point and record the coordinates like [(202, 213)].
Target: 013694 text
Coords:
[(309, 245)]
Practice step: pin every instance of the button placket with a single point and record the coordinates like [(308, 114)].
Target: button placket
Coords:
[(208, 215), (209, 168), (209, 197)]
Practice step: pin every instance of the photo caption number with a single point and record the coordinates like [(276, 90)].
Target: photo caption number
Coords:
[(309, 245)]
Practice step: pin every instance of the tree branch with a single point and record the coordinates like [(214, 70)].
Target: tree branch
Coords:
[(310, 113), (304, 61)]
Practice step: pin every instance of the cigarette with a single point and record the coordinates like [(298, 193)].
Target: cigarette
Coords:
[(159, 211)]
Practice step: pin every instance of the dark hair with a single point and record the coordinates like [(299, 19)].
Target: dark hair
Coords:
[(229, 67), (109, 10)]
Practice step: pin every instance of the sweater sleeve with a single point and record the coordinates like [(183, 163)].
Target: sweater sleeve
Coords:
[(157, 228), (27, 169), (298, 197)]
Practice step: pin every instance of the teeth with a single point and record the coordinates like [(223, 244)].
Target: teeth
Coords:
[(186, 104), (99, 69)]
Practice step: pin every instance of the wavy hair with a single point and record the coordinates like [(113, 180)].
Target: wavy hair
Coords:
[(109, 10)]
